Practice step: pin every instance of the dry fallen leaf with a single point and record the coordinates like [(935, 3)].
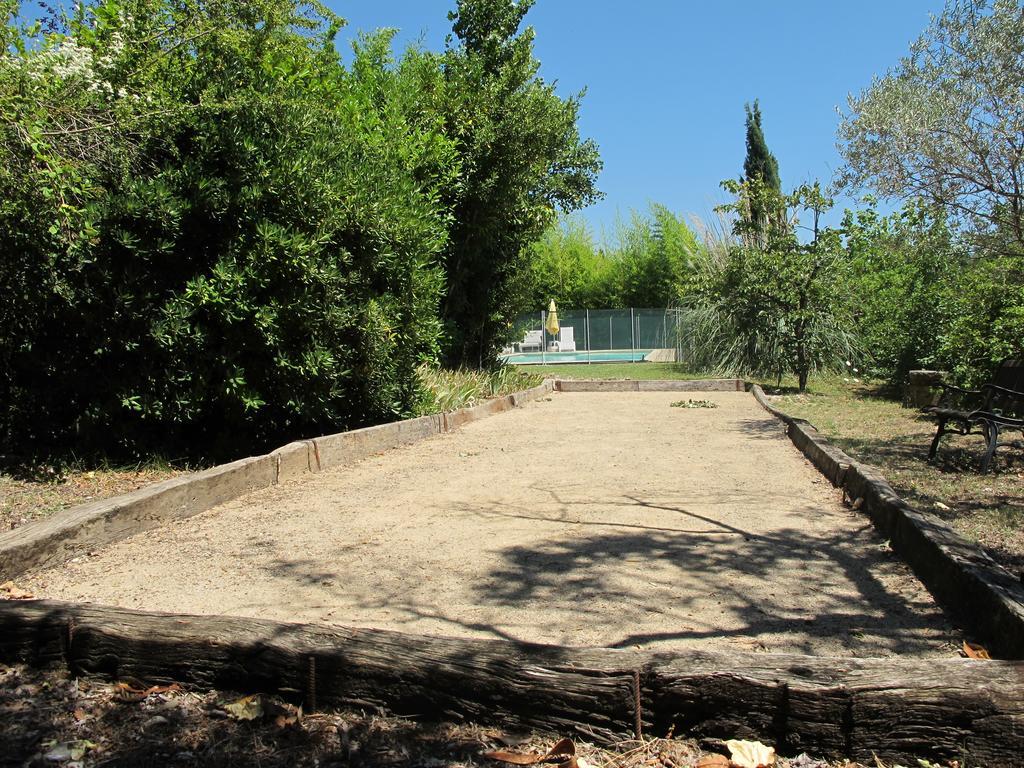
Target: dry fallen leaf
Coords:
[(975, 651), (750, 754), (62, 752), (9, 591), (126, 693), (246, 708), (282, 715), (557, 754)]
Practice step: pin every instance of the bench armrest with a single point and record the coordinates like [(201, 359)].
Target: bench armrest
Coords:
[(997, 418), (1004, 391), (959, 398)]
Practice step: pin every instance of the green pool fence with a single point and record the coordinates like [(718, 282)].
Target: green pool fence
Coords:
[(593, 335)]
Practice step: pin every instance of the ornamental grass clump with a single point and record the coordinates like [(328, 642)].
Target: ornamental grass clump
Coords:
[(449, 390)]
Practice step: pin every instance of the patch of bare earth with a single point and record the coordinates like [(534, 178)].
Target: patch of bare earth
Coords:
[(607, 519)]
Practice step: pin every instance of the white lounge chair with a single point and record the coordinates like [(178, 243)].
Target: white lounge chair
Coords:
[(566, 339), (532, 340)]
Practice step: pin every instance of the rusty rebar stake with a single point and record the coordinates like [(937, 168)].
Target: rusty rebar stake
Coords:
[(311, 688), (70, 641), (637, 712)]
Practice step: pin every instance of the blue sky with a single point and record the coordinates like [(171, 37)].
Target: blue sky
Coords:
[(666, 81)]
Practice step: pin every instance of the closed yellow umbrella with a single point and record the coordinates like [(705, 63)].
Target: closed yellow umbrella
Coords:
[(551, 326)]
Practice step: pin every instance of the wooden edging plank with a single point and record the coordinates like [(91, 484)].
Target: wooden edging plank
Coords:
[(985, 596), (649, 385), (940, 709), (81, 528), (76, 531)]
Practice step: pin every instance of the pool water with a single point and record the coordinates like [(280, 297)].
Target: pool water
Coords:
[(594, 356)]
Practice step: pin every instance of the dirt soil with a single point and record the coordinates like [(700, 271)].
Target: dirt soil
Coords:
[(606, 519)]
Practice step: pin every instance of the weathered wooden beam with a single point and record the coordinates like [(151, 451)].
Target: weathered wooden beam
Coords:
[(649, 385), (896, 708)]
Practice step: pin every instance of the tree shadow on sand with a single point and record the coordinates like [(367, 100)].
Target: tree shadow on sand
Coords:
[(712, 583)]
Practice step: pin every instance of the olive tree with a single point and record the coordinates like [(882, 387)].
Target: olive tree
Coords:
[(947, 123)]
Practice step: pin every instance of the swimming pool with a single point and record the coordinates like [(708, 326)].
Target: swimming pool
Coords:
[(594, 356)]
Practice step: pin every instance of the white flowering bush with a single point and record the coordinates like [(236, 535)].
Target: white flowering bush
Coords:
[(214, 236)]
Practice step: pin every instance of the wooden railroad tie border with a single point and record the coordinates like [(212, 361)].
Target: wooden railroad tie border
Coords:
[(649, 385), (987, 598), (898, 708)]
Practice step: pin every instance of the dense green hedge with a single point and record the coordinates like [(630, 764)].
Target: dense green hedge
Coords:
[(924, 296), (247, 252), (215, 236)]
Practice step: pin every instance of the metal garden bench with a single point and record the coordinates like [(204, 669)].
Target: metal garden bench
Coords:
[(995, 408)]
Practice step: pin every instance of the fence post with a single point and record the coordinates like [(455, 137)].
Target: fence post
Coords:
[(587, 331), (632, 337), (543, 340)]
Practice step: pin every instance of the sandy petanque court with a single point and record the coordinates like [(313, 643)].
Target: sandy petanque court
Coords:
[(584, 519)]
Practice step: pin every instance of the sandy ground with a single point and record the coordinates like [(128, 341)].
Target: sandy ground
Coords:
[(585, 519)]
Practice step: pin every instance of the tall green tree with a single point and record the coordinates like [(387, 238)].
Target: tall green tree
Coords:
[(215, 237), (522, 161), (771, 304), (946, 124), (760, 165), (653, 256), (567, 265), (645, 264)]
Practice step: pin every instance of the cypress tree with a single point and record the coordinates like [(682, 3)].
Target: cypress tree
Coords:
[(760, 162)]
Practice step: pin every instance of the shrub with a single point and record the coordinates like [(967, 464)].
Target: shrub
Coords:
[(985, 322), (245, 249), (763, 303), (902, 272)]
